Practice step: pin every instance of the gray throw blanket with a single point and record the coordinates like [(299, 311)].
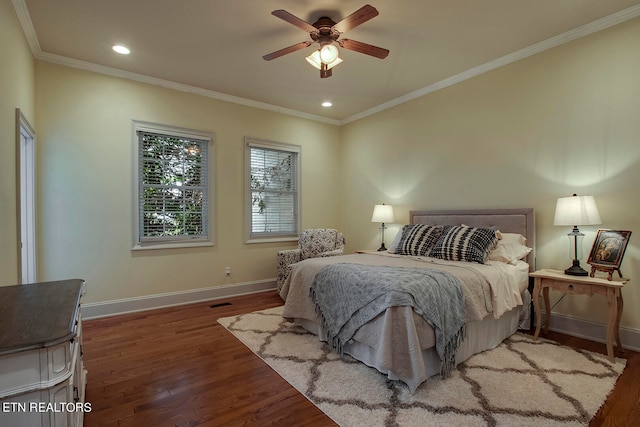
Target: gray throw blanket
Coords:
[(349, 295)]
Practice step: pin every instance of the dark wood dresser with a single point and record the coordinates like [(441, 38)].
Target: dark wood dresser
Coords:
[(42, 376)]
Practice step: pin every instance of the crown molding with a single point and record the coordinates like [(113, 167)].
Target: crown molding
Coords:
[(115, 72), (27, 26), (582, 31), (30, 34), (560, 39)]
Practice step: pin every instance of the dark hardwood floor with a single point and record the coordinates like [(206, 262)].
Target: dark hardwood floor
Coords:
[(178, 367)]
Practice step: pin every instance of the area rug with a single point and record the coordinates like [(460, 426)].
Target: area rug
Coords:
[(519, 383)]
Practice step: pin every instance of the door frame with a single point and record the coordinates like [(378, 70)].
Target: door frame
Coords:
[(26, 199)]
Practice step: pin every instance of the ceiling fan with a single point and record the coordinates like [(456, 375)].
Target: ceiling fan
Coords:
[(325, 32)]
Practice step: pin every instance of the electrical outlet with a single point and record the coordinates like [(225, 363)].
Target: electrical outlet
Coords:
[(227, 270)]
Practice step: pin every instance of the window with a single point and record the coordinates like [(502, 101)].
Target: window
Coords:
[(173, 187), (273, 211)]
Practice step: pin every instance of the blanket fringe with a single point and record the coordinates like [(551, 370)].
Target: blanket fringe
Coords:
[(332, 338), (448, 362)]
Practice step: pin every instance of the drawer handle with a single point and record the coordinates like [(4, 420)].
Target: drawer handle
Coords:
[(570, 287)]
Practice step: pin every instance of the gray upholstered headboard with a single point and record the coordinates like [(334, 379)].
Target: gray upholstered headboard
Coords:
[(520, 221)]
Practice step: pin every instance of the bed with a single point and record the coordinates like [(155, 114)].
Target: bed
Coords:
[(399, 342)]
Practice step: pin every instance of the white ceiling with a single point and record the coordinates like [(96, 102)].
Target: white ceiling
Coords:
[(215, 47)]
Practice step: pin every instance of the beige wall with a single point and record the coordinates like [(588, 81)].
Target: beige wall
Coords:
[(84, 123), (560, 122), (16, 91)]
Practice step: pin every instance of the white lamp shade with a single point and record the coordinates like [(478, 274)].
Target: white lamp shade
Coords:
[(382, 213), (576, 210), (315, 60)]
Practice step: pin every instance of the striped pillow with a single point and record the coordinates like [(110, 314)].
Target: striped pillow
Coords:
[(417, 239), (461, 243)]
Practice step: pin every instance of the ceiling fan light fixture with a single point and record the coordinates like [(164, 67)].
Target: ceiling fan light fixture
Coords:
[(328, 53), (327, 34), (315, 60)]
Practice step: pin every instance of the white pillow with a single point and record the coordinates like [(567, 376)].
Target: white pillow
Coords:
[(511, 248), (514, 238), (396, 241)]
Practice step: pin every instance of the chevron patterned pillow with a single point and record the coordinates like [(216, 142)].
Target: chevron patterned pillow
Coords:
[(461, 243), (417, 239)]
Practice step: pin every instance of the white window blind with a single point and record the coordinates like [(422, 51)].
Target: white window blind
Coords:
[(273, 189), (173, 188)]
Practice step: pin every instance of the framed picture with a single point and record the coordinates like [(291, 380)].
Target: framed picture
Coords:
[(607, 251)]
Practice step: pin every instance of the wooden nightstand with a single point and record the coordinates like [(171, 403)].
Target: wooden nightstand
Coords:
[(580, 285)]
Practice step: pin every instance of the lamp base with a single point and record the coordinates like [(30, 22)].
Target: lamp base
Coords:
[(576, 270), (382, 248)]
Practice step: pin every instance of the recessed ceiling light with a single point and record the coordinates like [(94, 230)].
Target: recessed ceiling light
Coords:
[(121, 49), (327, 104)]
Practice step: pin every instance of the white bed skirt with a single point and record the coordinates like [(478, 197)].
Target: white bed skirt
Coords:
[(480, 336)]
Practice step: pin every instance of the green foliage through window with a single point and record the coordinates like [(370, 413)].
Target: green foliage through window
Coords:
[(173, 186), (273, 189)]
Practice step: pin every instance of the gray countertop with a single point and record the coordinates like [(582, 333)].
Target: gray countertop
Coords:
[(38, 315)]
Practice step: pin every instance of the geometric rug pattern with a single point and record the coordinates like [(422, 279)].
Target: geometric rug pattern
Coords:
[(519, 383)]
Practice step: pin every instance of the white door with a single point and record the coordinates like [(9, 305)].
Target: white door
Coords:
[(27, 196)]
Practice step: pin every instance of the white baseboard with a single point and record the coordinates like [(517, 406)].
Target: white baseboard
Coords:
[(592, 331), (150, 302)]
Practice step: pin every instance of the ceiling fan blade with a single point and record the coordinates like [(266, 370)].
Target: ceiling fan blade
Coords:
[(294, 20), (281, 52), (358, 17), (365, 48)]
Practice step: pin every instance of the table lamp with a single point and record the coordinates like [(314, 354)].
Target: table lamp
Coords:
[(574, 211), (382, 213)]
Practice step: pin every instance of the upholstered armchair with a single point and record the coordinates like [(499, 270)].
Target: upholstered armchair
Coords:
[(313, 243)]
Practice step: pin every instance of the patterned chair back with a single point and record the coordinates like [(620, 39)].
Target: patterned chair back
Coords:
[(315, 241)]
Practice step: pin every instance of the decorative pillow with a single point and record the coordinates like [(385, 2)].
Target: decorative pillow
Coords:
[(510, 248), (417, 239), (461, 243)]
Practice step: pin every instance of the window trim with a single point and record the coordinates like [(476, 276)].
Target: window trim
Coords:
[(144, 126), (281, 146)]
